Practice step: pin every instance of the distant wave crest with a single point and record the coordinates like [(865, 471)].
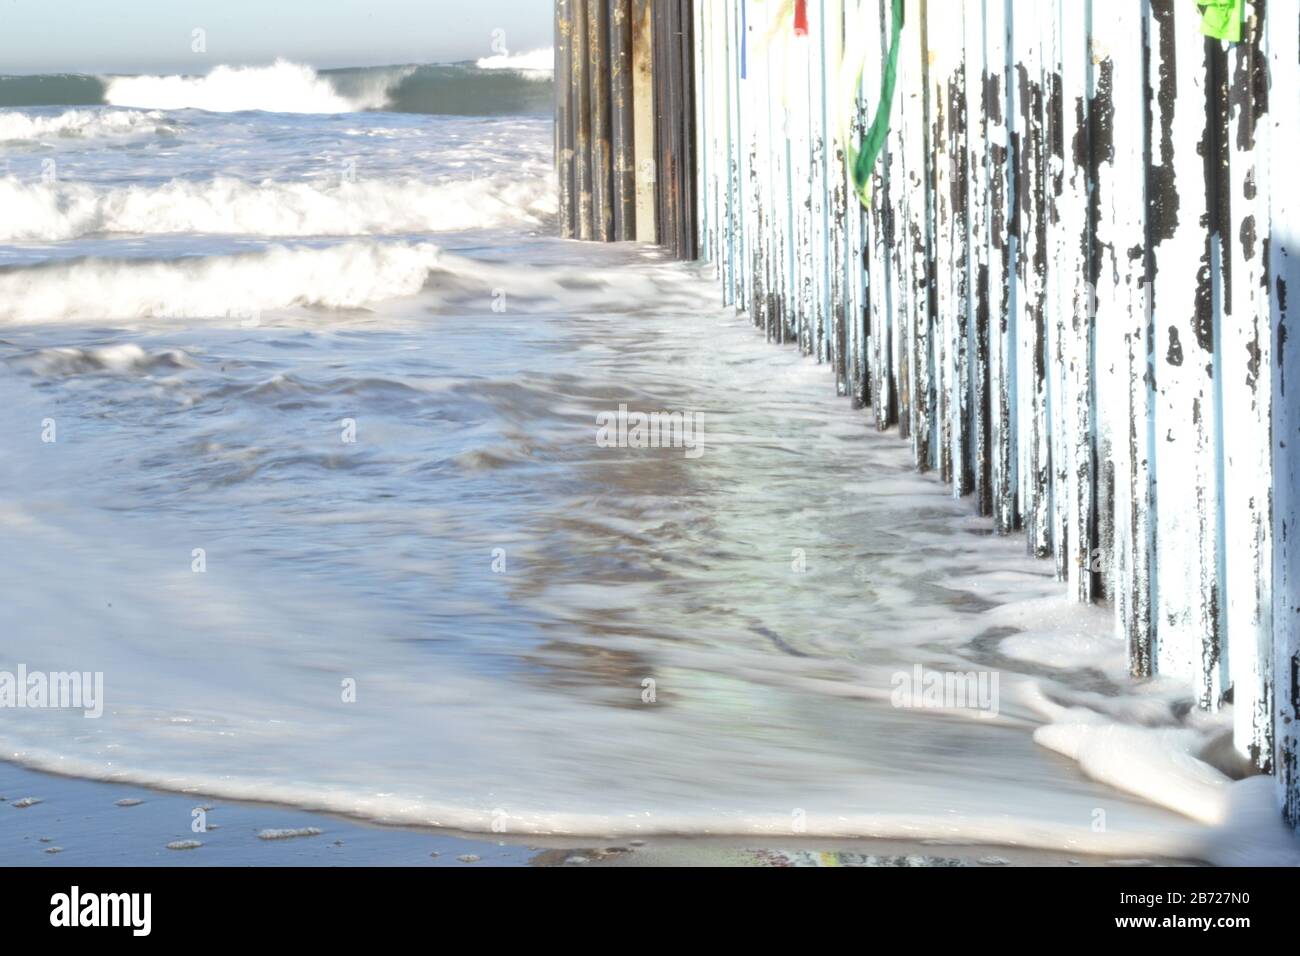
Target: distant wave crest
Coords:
[(494, 86), (283, 87)]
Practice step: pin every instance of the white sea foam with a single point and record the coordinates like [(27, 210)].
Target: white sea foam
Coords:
[(288, 834), (82, 123), (118, 359), (1252, 834), (535, 64), (283, 87), (234, 287), (45, 212)]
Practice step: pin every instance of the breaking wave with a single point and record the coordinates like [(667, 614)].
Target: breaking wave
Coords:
[(236, 287), (283, 87), (493, 86), (47, 212), (83, 123)]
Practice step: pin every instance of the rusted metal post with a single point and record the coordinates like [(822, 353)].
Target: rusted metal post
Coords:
[(622, 107), (675, 137), (644, 112), (581, 106), (688, 246), (602, 152), (564, 128)]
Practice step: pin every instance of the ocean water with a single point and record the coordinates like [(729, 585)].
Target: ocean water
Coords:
[(299, 421)]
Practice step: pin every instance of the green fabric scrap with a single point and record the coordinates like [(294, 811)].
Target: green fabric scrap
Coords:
[(1222, 19), (861, 162)]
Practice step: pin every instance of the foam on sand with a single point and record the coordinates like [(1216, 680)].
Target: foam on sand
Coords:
[(288, 834)]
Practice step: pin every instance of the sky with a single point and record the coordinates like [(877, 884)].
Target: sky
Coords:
[(150, 36)]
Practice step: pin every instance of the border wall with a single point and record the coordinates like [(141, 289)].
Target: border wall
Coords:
[(1071, 289), (625, 127)]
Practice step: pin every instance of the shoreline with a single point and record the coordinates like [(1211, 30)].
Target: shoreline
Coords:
[(79, 823)]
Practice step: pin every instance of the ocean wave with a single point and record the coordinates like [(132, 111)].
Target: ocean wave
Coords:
[(229, 287), (283, 87), (52, 89), (493, 86), (83, 123), (46, 212), (462, 89)]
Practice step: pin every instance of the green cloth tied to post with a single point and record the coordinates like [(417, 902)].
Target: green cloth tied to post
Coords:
[(1222, 19), (862, 161)]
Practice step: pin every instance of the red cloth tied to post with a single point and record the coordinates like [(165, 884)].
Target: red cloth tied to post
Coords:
[(801, 18)]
